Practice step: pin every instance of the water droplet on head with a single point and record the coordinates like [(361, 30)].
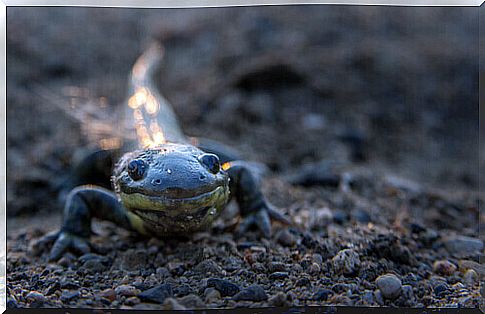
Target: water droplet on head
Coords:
[(169, 171)]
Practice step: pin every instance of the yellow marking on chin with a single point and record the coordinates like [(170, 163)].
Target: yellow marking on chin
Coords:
[(137, 223)]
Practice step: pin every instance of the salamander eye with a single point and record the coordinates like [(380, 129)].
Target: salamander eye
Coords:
[(211, 162), (136, 169)]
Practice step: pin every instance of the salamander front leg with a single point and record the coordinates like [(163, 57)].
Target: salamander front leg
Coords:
[(82, 204), (253, 206)]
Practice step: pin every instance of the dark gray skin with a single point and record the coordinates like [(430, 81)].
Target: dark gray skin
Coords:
[(176, 188)]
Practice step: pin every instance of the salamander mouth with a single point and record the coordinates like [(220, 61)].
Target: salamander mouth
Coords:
[(174, 205)]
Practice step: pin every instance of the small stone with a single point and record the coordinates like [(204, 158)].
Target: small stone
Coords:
[(285, 238), (407, 292), (368, 297), (389, 285), (276, 266), (172, 305), (278, 275), (211, 295), (320, 218), (360, 215), (67, 260), (346, 261), (36, 297), (132, 301), (444, 267), (470, 277), (176, 268), (280, 299), (192, 301), (108, 294), (182, 290), (322, 295), (441, 289), (163, 273), (208, 267), (133, 260), (226, 288), (157, 294), (462, 245), (314, 269), (378, 297), (68, 296), (70, 285), (340, 217), (303, 282), (253, 293), (126, 291)]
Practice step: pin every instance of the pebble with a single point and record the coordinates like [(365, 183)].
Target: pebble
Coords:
[(322, 295), (132, 301), (368, 297), (470, 277), (441, 289), (172, 304), (67, 260), (462, 245), (208, 267), (346, 261), (320, 218), (407, 292), (280, 299), (276, 266), (109, 294), (444, 267), (303, 282), (68, 296), (36, 297), (360, 215), (225, 287), (157, 294), (278, 275), (211, 295), (192, 301), (340, 217), (133, 260), (314, 269), (126, 291), (253, 293), (389, 285), (285, 238)]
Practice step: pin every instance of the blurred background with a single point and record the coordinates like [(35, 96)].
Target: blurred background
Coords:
[(390, 89)]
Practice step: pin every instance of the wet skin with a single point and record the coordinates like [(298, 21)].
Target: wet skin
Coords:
[(176, 188)]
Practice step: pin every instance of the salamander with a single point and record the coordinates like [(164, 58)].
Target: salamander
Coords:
[(164, 183)]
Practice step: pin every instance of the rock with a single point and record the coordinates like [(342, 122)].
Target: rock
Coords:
[(176, 268), (163, 273), (253, 293), (477, 267), (68, 296), (378, 297), (346, 261), (320, 218), (133, 260), (108, 294), (368, 297), (69, 285), (340, 217), (280, 299), (314, 269), (276, 266), (462, 245), (182, 290), (407, 292), (67, 260), (36, 297), (94, 263), (322, 295), (211, 295), (226, 288), (360, 215), (157, 294), (126, 291), (470, 277), (132, 301), (389, 285), (172, 305), (208, 267), (444, 267), (192, 301), (303, 282), (441, 289), (285, 238), (278, 275)]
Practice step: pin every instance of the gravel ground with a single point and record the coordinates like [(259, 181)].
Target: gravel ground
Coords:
[(380, 103)]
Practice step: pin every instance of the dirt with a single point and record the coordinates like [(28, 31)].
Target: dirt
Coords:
[(379, 104)]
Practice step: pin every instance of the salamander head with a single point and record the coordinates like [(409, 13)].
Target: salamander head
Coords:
[(174, 188)]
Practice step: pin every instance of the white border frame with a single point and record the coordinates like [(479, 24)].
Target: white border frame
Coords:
[(139, 4)]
